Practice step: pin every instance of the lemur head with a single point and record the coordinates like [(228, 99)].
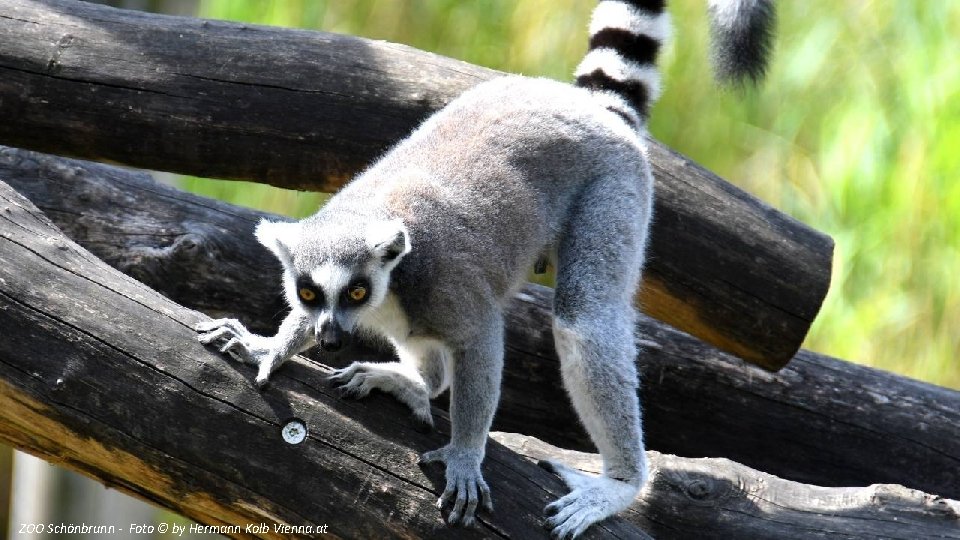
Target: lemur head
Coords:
[(335, 271)]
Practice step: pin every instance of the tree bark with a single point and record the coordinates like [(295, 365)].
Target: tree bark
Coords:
[(104, 376), (718, 498), (309, 109), (820, 420)]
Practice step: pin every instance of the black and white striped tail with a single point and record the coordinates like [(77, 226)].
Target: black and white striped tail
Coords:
[(742, 32), (625, 37)]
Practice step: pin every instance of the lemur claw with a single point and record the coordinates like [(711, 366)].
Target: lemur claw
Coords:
[(234, 340), (591, 499), (357, 380), (465, 484)]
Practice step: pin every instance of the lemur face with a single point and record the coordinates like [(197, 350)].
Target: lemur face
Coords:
[(337, 272), (337, 296)]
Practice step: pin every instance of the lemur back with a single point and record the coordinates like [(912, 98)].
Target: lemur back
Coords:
[(485, 184), (427, 246)]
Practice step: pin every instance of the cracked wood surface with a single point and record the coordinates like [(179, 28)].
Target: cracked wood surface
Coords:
[(718, 498), (820, 420), (305, 109), (102, 375)]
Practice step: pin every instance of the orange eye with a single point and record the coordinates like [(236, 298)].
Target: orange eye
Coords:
[(307, 295), (357, 293)]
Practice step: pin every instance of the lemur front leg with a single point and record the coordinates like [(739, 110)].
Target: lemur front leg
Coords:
[(267, 353), (475, 391), (421, 374)]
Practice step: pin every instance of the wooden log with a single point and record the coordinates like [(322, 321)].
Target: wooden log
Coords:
[(718, 498), (159, 235), (820, 421), (103, 375), (6, 487), (309, 109)]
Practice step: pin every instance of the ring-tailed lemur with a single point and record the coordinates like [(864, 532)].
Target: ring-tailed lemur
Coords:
[(428, 245)]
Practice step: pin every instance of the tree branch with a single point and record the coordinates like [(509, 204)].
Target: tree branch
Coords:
[(104, 376), (686, 497), (820, 420), (309, 109)]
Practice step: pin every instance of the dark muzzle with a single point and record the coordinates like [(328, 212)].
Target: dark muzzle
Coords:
[(332, 337)]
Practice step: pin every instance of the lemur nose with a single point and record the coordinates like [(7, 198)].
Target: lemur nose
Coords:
[(331, 345), (332, 337)]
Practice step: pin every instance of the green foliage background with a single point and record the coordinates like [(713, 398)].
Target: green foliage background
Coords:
[(855, 131)]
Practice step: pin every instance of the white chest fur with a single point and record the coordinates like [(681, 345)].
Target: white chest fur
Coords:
[(388, 320)]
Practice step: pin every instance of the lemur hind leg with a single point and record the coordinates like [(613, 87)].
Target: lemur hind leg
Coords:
[(599, 260), (420, 375)]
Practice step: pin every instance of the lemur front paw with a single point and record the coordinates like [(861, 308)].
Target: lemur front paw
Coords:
[(230, 336), (233, 339), (591, 499), (465, 484), (360, 378)]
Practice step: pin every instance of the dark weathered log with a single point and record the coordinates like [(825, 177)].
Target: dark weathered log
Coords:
[(820, 420), (159, 235), (6, 476), (309, 109), (718, 498), (104, 376), (292, 108)]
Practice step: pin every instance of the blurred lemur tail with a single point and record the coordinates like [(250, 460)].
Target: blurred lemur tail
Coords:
[(625, 37), (742, 32)]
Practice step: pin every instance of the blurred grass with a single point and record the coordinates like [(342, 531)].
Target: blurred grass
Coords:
[(855, 131)]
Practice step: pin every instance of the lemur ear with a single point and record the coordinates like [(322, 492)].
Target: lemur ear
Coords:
[(279, 237), (388, 240)]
